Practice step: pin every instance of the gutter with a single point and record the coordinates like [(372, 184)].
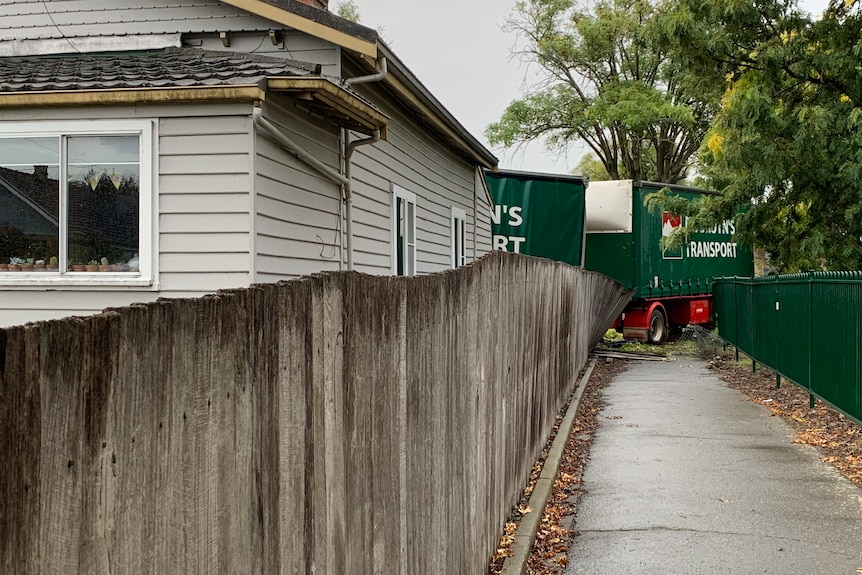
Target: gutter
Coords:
[(382, 71), (277, 136), (348, 189)]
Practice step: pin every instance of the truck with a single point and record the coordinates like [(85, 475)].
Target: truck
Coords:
[(532, 211), (621, 238)]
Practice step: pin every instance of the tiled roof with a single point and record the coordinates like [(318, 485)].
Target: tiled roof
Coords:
[(172, 67)]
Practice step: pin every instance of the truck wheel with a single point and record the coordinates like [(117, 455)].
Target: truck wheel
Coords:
[(657, 327)]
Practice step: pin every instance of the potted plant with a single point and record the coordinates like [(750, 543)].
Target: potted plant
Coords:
[(15, 264), (92, 266), (76, 267), (27, 265), (53, 264), (104, 266), (39, 265)]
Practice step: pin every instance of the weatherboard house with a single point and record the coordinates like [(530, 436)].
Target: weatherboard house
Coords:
[(170, 149)]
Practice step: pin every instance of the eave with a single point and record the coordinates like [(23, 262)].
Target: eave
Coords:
[(329, 100), (235, 93), (318, 96), (298, 22)]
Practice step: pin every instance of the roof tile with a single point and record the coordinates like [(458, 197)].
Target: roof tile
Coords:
[(158, 69)]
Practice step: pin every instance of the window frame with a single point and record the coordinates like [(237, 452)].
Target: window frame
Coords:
[(458, 231), (400, 194), (146, 130)]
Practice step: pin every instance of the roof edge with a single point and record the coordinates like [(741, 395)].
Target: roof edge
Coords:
[(401, 78), (546, 176), (232, 93), (315, 22)]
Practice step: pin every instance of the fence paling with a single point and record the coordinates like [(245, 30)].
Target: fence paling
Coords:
[(809, 331), (340, 423)]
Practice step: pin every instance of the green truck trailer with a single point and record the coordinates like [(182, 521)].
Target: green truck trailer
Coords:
[(533, 212), (607, 228), (671, 287)]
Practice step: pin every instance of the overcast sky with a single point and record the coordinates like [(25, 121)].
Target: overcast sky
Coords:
[(457, 48)]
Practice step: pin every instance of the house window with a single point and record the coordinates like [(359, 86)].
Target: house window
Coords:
[(459, 227), (76, 202), (403, 232)]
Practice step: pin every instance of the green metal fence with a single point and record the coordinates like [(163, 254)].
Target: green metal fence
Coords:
[(806, 327)]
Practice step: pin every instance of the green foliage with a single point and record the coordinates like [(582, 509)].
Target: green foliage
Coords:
[(786, 147), (610, 84), (348, 10), (592, 168)]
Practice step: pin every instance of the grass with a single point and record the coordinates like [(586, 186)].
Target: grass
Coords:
[(674, 348)]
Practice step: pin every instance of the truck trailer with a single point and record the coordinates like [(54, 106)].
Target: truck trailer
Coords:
[(671, 287), (607, 227), (538, 214)]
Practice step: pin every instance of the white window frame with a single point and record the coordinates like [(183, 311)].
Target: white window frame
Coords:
[(459, 232), (399, 194), (146, 277)]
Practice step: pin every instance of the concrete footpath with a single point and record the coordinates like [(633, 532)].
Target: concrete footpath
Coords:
[(686, 476)]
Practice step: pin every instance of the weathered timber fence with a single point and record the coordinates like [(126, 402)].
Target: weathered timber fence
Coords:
[(806, 327), (339, 423)]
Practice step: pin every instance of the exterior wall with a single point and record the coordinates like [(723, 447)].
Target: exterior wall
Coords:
[(294, 46), (95, 18), (297, 211), (203, 202), (198, 21), (482, 230), (416, 160)]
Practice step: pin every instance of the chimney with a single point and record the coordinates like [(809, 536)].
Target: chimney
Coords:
[(322, 4)]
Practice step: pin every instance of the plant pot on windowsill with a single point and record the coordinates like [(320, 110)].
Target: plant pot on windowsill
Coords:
[(91, 267), (104, 268), (14, 267), (79, 268), (26, 267)]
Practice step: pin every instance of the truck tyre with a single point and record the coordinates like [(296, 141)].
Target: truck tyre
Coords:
[(657, 327)]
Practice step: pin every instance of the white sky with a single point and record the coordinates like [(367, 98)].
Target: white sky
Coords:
[(457, 48)]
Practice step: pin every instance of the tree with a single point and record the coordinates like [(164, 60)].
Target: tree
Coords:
[(592, 168), (608, 84), (348, 10), (785, 150)]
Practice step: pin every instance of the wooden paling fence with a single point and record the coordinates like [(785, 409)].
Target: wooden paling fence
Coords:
[(334, 424)]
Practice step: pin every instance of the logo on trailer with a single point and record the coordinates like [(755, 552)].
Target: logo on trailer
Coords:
[(670, 222)]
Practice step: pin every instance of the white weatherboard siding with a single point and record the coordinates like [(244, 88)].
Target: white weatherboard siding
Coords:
[(88, 18), (483, 219), (203, 222), (80, 19), (204, 186), (297, 210), (294, 46), (413, 158)]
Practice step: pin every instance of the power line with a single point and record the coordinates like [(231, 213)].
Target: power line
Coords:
[(51, 17)]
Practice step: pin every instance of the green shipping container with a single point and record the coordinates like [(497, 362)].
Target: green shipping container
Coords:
[(623, 241), (538, 214)]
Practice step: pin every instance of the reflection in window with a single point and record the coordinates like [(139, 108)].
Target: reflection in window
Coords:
[(98, 229), (29, 204), (404, 236), (103, 191)]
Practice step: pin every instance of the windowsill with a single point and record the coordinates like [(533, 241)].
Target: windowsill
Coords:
[(26, 280)]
